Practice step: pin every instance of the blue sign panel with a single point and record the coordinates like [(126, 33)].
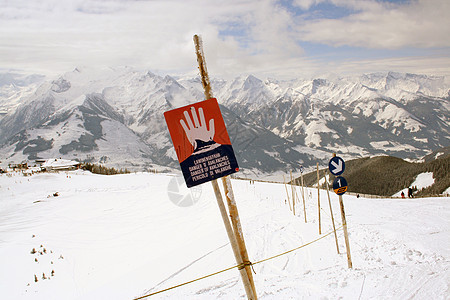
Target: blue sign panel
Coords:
[(336, 166), (340, 185)]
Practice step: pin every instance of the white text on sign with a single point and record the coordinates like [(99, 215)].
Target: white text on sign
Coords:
[(209, 166)]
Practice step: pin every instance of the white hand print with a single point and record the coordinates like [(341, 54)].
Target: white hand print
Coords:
[(197, 131)]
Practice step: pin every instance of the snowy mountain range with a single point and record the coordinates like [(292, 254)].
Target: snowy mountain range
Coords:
[(115, 117)]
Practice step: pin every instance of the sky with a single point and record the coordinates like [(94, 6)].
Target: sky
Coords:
[(268, 38)]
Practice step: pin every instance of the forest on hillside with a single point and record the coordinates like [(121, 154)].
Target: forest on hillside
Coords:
[(386, 175)]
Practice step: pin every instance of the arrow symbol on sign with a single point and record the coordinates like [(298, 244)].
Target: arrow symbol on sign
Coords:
[(338, 166)]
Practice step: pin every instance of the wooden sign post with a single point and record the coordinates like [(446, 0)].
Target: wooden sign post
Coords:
[(331, 213), (235, 236), (337, 167), (344, 225)]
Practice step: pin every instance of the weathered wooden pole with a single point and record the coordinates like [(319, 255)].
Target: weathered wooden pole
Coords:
[(303, 196), (331, 213), (202, 67), (318, 199), (236, 223), (344, 225), (233, 241), (287, 193), (293, 193), (232, 236)]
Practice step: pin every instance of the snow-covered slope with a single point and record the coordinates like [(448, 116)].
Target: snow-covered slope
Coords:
[(122, 236), (14, 88), (422, 181), (115, 116), (349, 116), (73, 117)]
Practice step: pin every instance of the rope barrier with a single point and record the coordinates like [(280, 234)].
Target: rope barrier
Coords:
[(302, 246), (240, 266), (187, 282)]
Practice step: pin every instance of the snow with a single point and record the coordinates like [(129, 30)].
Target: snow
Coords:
[(121, 237), (379, 144), (422, 181), (313, 152), (447, 192), (395, 116), (349, 130), (314, 128), (350, 152), (424, 140), (273, 154)]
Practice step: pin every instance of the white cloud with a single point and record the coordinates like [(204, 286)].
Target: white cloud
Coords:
[(437, 65), (383, 25), (306, 4), (240, 36)]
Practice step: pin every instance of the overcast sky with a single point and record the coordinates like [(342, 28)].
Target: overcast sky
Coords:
[(267, 38)]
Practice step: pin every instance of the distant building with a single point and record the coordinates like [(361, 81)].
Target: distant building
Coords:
[(16, 167), (58, 164), (39, 162)]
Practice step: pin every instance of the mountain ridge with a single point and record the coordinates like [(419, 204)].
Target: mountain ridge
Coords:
[(271, 122)]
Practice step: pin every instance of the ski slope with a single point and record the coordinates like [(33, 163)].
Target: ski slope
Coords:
[(122, 237)]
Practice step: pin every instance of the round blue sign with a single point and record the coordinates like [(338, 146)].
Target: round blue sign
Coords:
[(340, 185), (336, 166)]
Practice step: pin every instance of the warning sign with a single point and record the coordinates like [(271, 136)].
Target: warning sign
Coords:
[(201, 142)]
